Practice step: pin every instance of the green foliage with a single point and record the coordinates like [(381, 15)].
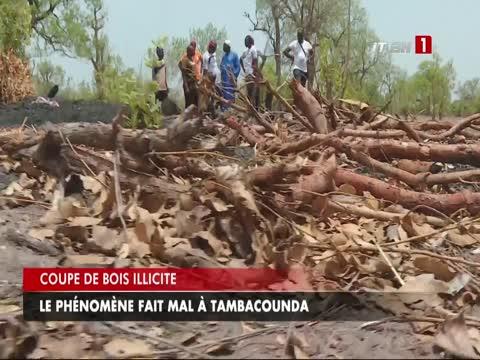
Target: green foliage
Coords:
[(468, 101), (144, 109), (123, 86), (210, 32), (15, 29)]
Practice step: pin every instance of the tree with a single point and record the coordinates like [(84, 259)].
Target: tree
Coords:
[(15, 31), (53, 23), (210, 32), (434, 83), (468, 101), (91, 43)]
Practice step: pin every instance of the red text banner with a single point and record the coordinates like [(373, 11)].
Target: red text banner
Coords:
[(156, 279)]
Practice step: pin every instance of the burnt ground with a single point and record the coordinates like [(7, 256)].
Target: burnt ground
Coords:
[(69, 111), (332, 339)]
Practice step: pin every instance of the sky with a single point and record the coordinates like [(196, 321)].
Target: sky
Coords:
[(133, 24)]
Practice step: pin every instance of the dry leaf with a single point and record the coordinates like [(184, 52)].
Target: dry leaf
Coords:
[(460, 239), (85, 221), (423, 289), (347, 189), (241, 193), (454, 337), (145, 227), (105, 240), (121, 347), (458, 283), (220, 248), (434, 266), (6, 309), (41, 234), (90, 260), (186, 224), (295, 346), (136, 247)]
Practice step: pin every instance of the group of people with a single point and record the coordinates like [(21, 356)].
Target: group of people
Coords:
[(194, 67)]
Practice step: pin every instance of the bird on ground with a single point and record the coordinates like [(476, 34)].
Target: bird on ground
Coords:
[(53, 92)]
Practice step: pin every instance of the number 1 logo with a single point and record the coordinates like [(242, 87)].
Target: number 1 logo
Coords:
[(423, 44)]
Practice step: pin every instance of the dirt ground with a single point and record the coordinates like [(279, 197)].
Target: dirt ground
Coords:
[(161, 340)]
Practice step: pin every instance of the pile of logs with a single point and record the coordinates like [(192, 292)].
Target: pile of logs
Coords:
[(410, 155)]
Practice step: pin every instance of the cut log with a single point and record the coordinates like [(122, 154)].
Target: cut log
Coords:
[(447, 153), (425, 202), (309, 106), (99, 136), (385, 134), (458, 127), (321, 181)]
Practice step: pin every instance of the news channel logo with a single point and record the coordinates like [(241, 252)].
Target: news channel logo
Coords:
[(421, 46)]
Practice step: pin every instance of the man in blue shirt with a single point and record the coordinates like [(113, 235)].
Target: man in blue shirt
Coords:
[(230, 69)]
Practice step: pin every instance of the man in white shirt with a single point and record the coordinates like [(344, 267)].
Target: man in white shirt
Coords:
[(209, 63), (211, 69), (249, 64), (300, 52)]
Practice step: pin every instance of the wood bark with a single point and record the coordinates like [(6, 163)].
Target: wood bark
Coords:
[(445, 203), (309, 106)]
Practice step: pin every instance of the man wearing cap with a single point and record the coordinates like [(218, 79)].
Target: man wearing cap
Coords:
[(302, 52), (209, 62), (230, 69), (197, 60), (210, 69), (249, 64)]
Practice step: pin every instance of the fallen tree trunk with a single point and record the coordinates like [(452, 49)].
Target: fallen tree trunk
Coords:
[(454, 129), (307, 103), (444, 203), (417, 180), (448, 153), (386, 150), (99, 136), (375, 134)]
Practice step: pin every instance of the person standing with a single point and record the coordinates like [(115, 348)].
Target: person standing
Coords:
[(209, 62), (190, 84), (212, 73), (230, 69), (159, 75), (300, 52), (197, 60), (249, 64)]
